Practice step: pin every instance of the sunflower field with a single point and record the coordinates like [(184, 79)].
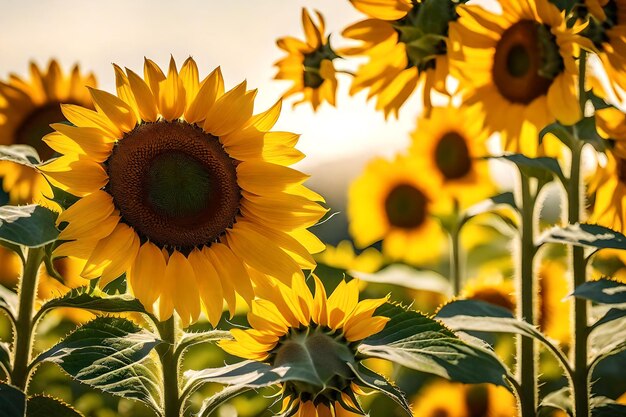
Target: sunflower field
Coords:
[(456, 247)]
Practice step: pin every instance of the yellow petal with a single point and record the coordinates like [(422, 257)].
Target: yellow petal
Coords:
[(209, 285), (145, 99), (77, 176), (117, 111), (190, 78), (86, 214), (365, 328), (263, 178), (124, 91), (153, 76), (113, 248), (230, 112), (82, 117), (147, 274), (210, 90), (182, 280), (171, 96)]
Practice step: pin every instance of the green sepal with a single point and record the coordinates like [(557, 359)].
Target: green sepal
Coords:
[(418, 342), (32, 226), (556, 400), (62, 197)]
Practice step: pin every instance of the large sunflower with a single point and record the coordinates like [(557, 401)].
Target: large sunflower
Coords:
[(182, 189), (309, 64), (406, 44), (448, 146), (27, 108), (289, 322), (607, 31), (392, 202), (520, 66), (609, 181)]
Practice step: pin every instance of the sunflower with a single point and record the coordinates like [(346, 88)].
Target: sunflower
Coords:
[(27, 108), (309, 64), (182, 189), (493, 289), (392, 202), (344, 257), (288, 322), (609, 181), (519, 66), (448, 145), (452, 399), (406, 43), (607, 31)]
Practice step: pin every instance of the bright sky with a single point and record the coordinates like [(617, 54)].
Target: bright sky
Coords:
[(239, 35)]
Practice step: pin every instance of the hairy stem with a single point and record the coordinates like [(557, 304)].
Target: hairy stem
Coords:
[(22, 348), (526, 306), (580, 330), (456, 265), (169, 362)]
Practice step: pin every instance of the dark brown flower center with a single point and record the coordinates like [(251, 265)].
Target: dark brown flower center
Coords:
[(174, 184), (525, 62), (495, 297), (405, 206), (477, 401), (36, 125), (452, 156)]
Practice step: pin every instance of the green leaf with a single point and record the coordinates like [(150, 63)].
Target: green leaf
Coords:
[(542, 167), (211, 336), (113, 355), (12, 401), (8, 302), (612, 314), (239, 377), (559, 400), (407, 277), (416, 341), (475, 315), (602, 291), (94, 299), (606, 407), (20, 154), (32, 225), (44, 406), (603, 344), (581, 234), (586, 131), (371, 379), (5, 358), (492, 204)]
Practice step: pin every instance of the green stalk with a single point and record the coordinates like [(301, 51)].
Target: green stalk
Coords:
[(580, 378), (527, 354), (27, 292), (454, 234), (169, 362)]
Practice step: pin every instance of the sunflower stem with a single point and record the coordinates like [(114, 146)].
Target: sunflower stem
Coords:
[(169, 362), (27, 292), (456, 267), (580, 330), (527, 353)]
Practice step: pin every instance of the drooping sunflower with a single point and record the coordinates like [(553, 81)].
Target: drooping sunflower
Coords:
[(27, 108), (309, 64), (183, 189), (607, 31), (451, 399), (448, 146), (392, 201), (609, 181), (288, 323), (519, 66), (406, 43)]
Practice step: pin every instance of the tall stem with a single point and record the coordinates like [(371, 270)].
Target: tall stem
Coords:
[(574, 209), (456, 268), (22, 348), (169, 362), (580, 330), (526, 307)]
